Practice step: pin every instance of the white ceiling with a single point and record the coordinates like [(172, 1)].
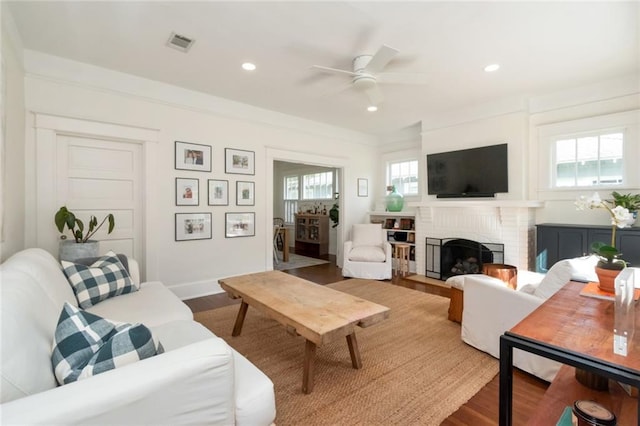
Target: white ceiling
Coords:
[(542, 47)]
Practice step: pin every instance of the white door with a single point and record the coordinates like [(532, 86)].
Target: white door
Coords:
[(97, 177), (94, 168)]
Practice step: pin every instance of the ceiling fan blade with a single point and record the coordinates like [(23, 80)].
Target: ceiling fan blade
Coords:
[(333, 70), (381, 59), (375, 95), (403, 78)]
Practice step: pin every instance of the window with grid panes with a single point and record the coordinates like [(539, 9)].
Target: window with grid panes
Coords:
[(589, 160), (317, 186), (404, 176)]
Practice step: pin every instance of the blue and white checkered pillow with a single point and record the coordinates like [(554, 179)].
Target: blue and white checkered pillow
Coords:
[(105, 278), (85, 345)]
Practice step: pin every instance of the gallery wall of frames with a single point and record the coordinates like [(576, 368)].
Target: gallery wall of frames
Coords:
[(195, 157)]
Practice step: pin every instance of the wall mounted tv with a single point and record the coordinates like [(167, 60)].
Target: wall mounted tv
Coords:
[(475, 172)]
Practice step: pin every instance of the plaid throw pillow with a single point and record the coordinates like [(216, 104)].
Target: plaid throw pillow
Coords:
[(85, 345), (105, 278)]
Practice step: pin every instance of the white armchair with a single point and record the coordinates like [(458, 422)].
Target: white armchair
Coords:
[(368, 253), (491, 308)]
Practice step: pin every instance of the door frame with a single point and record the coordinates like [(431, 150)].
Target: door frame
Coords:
[(41, 177), (277, 154)]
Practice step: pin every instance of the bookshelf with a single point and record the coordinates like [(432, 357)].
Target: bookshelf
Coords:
[(400, 228)]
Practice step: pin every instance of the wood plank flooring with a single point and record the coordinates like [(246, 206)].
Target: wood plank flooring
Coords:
[(481, 410)]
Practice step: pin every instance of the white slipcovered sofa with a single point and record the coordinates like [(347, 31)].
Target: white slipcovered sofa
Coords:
[(199, 379), (491, 308), (368, 253)]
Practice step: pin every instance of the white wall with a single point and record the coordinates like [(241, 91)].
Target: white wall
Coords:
[(518, 122), (584, 104), (192, 268), (12, 151)]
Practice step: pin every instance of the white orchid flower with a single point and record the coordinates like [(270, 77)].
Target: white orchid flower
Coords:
[(621, 217), (593, 202)]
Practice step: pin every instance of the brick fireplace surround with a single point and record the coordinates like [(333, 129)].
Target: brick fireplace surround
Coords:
[(511, 223)]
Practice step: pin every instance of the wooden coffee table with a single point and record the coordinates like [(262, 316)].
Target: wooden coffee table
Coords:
[(319, 314)]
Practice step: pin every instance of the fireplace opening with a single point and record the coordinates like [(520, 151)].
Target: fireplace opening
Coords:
[(447, 257)]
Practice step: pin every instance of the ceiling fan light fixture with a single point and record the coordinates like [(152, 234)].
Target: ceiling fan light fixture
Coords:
[(372, 108), (492, 68), (248, 66)]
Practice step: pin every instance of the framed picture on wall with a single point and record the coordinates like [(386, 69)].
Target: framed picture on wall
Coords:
[(245, 193), (240, 225), (218, 192), (238, 161), (192, 156), (187, 192), (363, 187), (193, 226)]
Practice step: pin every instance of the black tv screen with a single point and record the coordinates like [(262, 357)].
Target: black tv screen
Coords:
[(475, 172)]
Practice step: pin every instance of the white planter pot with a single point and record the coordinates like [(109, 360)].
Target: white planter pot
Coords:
[(70, 250)]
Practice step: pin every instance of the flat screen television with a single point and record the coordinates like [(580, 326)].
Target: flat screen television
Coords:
[(475, 172)]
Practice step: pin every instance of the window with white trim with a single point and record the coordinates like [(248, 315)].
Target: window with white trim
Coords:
[(594, 159), (291, 187), (404, 176), (317, 186)]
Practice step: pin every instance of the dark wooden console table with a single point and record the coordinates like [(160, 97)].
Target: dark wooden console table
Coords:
[(574, 330)]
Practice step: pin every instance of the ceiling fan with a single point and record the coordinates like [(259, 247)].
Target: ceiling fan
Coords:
[(367, 73)]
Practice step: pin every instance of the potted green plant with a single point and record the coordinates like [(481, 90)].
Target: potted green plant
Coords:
[(609, 264), (334, 213), (81, 246)]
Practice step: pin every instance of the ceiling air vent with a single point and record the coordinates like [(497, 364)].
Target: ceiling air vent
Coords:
[(180, 42)]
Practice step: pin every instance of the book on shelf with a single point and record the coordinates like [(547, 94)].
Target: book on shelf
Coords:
[(592, 290)]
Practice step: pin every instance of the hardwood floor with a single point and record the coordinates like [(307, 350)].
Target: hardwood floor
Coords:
[(481, 410)]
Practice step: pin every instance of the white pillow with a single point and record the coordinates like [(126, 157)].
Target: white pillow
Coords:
[(556, 278), (366, 234), (367, 254), (584, 268)]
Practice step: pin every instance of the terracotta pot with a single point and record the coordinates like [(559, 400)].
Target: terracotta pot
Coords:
[(606, 279)]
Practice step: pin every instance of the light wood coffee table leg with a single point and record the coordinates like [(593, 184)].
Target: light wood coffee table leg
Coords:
[(309, 366), (354, 351), (237, 328)]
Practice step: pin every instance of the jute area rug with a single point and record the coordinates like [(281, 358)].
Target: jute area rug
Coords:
[(416, 370)]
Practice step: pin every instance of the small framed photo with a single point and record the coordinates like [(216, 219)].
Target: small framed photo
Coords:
[(193, 226), (193, 156), (240, 225), (245, 193), (363, 187), (218, 192), (187, 192), (238, 161)]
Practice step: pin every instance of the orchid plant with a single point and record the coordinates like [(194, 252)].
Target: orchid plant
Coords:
[(621, 217)]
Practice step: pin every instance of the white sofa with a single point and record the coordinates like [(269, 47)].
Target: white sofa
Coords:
[(199, 379), (491, 308), (368, 253)]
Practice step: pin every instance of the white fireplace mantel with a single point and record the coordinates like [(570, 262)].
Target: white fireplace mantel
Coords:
[(534, 204), (426, 208)]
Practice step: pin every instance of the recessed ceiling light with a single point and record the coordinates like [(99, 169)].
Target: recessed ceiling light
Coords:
[(492, 67), (248, 66), (372, 108)]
